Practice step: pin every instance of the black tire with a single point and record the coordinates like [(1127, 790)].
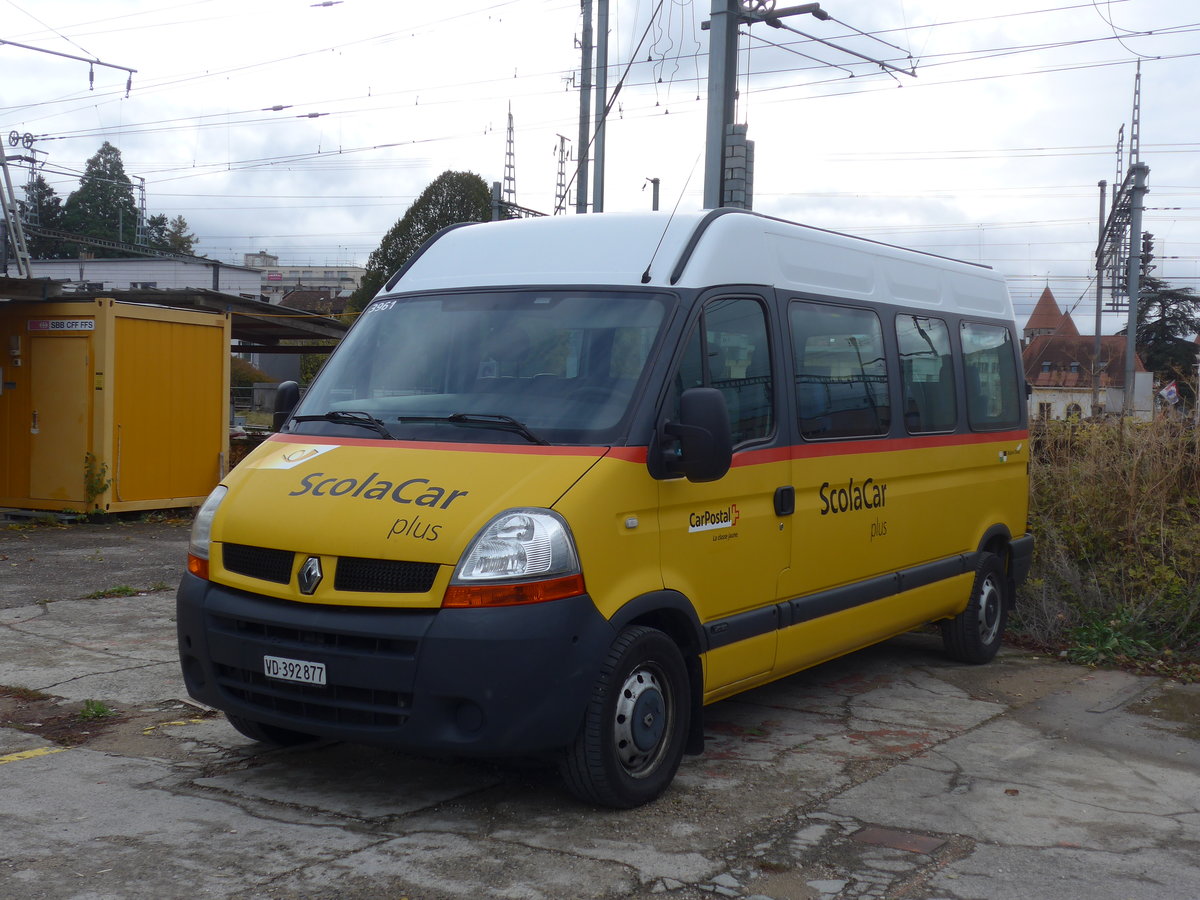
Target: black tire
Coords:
[(636, 724), (268, 734), (975, 635)]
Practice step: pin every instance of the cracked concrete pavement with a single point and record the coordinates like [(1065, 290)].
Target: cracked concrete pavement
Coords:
[(889, 773)]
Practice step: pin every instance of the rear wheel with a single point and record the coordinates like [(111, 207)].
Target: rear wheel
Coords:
[(632, 738), (975, 634), (268, 734)]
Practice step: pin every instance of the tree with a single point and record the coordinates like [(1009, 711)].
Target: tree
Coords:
[(1167, 318), (451, 198), (179, 239), (43, 207), (172, 236), (103, 206), (156, 231)]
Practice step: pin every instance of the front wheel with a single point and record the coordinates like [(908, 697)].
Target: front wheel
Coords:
[(974, 635), (632, 738)]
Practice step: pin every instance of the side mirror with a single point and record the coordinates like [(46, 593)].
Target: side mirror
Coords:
[(287, 395), (705, 444)]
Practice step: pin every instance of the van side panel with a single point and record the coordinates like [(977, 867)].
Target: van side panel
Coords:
[(861, 514)]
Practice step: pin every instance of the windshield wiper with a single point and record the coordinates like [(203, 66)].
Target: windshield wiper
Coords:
[(486, 420), (350, 417)]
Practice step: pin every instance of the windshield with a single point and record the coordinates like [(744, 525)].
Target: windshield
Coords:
[(503, 367)]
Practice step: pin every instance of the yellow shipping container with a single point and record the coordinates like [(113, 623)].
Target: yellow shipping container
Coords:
[(111, 406)]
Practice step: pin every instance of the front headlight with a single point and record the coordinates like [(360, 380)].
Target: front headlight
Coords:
[(202, 532), (520, 556)]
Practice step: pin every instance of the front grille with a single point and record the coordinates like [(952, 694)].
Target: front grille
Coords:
[(384, 576), (369, 576), (300, 638), (258, 562), (333, 703)]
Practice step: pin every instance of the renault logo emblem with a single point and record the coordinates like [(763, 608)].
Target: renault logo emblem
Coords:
[(310, 575)]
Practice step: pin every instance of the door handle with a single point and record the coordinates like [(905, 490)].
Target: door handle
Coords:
[(785, 500)]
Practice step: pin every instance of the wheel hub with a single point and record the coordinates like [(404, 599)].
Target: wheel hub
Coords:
[(989, 611), (642, 720)]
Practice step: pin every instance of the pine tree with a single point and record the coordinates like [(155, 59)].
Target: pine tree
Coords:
[(103, 206), (172, 235), (179, 239)]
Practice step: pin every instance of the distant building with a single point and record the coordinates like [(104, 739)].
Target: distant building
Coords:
[(277, 280), (92, 276), (1059, 363)]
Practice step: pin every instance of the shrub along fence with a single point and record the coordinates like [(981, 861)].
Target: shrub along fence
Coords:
[(1116, 574)]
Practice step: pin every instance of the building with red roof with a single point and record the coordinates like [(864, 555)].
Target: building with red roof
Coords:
[(1072, 375)]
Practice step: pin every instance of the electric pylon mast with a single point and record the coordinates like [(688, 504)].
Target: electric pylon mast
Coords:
[(510, 164)]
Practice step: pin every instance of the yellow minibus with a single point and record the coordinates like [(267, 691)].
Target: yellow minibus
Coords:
[(568, 480)]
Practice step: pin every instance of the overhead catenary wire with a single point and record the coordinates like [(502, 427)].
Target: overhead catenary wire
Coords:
[(633, 109)]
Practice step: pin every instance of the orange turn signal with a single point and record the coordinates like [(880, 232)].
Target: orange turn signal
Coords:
[(463, 596), (198, 566)]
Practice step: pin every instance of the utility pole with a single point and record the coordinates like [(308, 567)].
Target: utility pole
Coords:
[(725, 16), (601, 104), (585, 109), (722, 80), (1140, 172), (653, 193), (12, 221), (1099, 297)]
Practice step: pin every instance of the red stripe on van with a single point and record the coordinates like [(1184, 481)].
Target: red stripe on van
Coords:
[(531, 449)]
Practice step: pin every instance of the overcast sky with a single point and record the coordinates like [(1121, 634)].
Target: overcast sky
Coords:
[(991, 152)]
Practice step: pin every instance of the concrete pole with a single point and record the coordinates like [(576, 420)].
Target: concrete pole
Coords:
[(722, 79), (1137, 197), (601, 104), (1099, 298), (585, 110)]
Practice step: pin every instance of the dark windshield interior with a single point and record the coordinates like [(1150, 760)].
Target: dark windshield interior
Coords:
[(563, 364)]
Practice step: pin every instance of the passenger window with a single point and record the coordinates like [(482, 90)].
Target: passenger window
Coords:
[(989, 364), (927, 374), (841, 373), (731, 352)]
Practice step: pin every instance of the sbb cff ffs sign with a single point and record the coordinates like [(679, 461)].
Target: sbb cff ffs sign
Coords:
[(43, 325)]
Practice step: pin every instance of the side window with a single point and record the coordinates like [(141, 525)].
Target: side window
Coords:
[(927, 374), (989, 364), (730, 351), (841, 373)]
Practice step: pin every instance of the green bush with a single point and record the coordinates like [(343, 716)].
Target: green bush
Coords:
[(1114, 506)]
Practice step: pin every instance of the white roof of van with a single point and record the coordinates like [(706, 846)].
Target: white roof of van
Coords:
[(699, 250)]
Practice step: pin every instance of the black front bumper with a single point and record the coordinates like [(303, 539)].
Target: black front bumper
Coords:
[(511, 680)]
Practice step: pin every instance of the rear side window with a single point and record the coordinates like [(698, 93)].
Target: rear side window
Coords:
[(841, 373), (989, 366), (927, 374)]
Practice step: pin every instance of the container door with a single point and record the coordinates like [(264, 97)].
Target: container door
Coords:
[(60, 392)]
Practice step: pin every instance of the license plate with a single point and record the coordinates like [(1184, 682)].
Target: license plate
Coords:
[(294, 670)]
